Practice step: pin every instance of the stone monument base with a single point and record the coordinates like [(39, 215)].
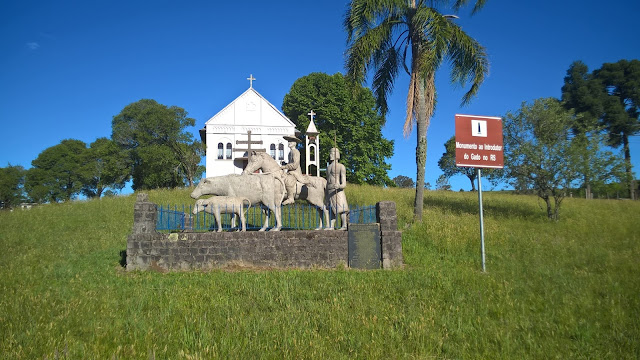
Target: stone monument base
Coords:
[(151, 250)]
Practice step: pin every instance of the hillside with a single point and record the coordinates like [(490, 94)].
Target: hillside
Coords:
[(562, 289)]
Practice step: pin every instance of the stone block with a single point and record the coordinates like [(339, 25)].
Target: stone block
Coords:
[(392, 249), (386, 215)]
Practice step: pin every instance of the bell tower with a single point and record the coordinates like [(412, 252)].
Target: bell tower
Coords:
[(312, 146)]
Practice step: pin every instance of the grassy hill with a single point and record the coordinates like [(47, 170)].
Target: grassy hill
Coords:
[(567, 289)]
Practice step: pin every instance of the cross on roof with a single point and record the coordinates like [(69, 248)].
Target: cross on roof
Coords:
[(251, 78), (248, 142), (311, 114)]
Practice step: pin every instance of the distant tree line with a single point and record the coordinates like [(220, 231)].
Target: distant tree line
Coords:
[(148, 145), (403, 181)]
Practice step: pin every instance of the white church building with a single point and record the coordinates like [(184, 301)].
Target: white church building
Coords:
[(249, 122)]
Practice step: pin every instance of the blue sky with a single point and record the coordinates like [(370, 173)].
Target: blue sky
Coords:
[(67, 67)]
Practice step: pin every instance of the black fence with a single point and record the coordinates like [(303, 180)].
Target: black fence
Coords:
[(294, 217)]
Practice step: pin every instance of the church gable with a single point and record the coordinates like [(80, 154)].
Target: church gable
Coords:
[(250, 109), (249, 117)]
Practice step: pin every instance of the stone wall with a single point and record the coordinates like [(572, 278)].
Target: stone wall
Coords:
[(151, 250)]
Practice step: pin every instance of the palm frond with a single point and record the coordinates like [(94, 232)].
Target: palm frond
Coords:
[(362, 51), (385, 34), (387, 65), (362, 15), (469, 62), (429, 83), (458, 4), (412, 96), (370, 26), (415, 101)]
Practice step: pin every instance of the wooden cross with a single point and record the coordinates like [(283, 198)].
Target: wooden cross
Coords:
[(251, 78), (248, 142), (311, 114)]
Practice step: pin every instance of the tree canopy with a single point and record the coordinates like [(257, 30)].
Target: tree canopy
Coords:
[(542, 155), (57, 174), (63, 171), (107, 167), (385, 37), (607, 98), (403, 181), (347, 113), (160, 151), (447, 164), (11, 185), (442, 183)]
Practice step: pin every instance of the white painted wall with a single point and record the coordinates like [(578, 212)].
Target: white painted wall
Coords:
[(249, 112)]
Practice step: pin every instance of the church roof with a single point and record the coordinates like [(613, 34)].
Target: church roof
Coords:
[(268, 111)]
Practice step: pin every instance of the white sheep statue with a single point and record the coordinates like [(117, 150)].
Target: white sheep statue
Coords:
[(217, 205)]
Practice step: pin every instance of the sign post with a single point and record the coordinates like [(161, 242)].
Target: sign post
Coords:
[(479, 145)]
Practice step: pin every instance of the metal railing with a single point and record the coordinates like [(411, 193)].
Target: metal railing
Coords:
[(362, 214), (294, 217)]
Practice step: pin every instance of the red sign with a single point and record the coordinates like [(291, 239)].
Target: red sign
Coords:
[(479, 141)]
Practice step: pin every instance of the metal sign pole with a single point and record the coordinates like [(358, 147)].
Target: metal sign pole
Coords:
[(481, 219), (479, 144)]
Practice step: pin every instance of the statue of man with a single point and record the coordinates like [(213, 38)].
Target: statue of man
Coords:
[(336, 183), (293, 170)]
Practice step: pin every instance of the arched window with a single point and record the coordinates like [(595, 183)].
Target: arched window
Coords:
[(312, 153), (281, 151), (220, 151), (228, 150), (272, 151)]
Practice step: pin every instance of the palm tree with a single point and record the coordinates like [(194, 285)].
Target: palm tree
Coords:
[(387, 35)]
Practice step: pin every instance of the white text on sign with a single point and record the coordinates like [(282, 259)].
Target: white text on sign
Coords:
[(490, 147)]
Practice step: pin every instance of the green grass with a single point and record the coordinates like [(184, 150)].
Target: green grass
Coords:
[(567, 289)]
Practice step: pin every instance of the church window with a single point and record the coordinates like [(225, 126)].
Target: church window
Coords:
[(281, 152), (228, 150), (220, 151), (312, 153), (272, 151)]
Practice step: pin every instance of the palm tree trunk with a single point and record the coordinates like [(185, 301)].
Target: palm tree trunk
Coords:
[(421, 160), (421, 149)]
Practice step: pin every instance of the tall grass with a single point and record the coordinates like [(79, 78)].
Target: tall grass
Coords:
[(567, 289)]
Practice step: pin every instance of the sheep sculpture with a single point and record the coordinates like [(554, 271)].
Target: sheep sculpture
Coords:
[(217, 205)]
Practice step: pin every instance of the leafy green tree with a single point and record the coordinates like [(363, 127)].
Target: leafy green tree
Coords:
[(387, 36), (621, 105), (107, 167), (154, 137), (442, 183), (447, 164), (539, 153), (189, 156), (38, 188), (609, 94), (346, 113), (403, 181), (58, 172), (158, 167), (598, 167), (581, 94), (11, 185)]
